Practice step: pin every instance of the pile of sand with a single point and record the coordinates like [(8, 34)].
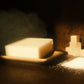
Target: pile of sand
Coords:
[(76, 63)]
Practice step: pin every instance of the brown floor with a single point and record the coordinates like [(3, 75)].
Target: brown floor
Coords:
[(29, 73)]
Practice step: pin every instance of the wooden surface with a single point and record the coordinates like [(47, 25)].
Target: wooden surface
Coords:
[(29, 73)]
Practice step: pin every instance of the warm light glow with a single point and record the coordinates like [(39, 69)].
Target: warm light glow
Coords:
[(30, 47), (74, 48), (76, 63), (54, 54)]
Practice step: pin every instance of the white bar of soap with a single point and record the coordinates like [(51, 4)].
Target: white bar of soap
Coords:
[(30, 47), (52, 56)]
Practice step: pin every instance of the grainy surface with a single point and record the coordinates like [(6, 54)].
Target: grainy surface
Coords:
[(29, 73)]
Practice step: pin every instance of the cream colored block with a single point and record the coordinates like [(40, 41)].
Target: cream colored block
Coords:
[(75, 38), (36, 60), (30, 47), (76, 45)]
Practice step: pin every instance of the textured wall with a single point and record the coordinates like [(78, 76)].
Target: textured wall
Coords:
[(70, 22), (64, 30)]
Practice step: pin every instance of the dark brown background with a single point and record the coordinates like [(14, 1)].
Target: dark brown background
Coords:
[(62, 18)]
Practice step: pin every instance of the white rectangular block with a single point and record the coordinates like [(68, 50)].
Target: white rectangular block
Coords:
[(75, 38), (30, 47)]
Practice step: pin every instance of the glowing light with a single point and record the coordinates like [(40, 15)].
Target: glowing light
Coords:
[(30, 47), (54, 54), (74, 48), (76, 63)]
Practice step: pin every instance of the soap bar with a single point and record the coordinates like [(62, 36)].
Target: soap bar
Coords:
[(30, 47), (54, 55)]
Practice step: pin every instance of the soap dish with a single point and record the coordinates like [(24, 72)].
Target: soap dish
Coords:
[(53, 56)]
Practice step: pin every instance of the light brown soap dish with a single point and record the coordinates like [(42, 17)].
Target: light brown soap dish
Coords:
[(54, 55)]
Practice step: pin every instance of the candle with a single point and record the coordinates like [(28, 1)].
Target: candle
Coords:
[(75, 46)]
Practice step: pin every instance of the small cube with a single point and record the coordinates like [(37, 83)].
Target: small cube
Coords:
[(30, 47)]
